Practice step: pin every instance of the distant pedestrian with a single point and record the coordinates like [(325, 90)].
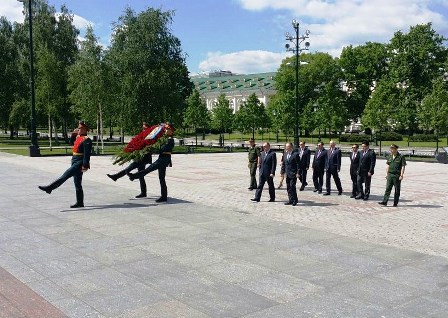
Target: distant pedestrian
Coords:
[(266, 172), (396, 165), (319, 167), (366, 170), (304, 164), (354, 165), (290, 168), (332, 168), (254, 163), (82, 149)]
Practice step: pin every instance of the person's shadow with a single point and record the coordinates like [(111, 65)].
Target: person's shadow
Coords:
[(130, 205)]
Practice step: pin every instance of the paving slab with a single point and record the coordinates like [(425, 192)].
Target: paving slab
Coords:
[(211, 252)]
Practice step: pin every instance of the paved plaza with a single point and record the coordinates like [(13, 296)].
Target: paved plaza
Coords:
[(211, 252)]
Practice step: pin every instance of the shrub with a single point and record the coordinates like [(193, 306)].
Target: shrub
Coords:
[(389, 136), (423, 137), (355, 138)]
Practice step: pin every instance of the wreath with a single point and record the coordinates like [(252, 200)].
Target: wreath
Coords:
[(141, 145)]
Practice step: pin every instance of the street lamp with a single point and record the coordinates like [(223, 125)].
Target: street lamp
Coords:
[(34, 150), (297, 39)]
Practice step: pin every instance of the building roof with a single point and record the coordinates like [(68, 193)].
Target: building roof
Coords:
[(223, 84)]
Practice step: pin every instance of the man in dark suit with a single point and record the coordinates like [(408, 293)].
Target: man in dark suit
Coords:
[(319, 167), (366, 170), (266, 173), (332, 168), (304, 164), (290, 168), (354, 165)]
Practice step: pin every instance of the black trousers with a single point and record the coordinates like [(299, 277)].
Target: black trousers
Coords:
[(160, 164), (261, 183), (333, 172), (302, 176), (291, 189), (318, 178), (364, 178), (354, 177)]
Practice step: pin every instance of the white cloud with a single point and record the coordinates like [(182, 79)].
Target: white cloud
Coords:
[(335, 24), (12, 10), (244, 62)]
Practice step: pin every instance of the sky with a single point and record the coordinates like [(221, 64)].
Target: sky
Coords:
[(248, 36)]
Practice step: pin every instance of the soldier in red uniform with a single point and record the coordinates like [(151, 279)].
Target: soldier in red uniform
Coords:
[(82, 148)]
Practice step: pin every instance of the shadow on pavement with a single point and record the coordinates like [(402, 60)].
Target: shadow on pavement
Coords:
[(312, 203)]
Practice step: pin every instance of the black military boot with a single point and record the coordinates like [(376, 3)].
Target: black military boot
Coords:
[(79, 200), (47, 189), (117, 176), (162, 199)]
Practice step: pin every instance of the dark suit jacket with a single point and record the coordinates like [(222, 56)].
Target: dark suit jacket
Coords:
[(304, 162), (367, 162), (319, 161), (354, 162), (291, 166), (333, 161), (268, 163)]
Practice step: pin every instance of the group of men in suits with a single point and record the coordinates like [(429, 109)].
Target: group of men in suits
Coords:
[(295, 164)]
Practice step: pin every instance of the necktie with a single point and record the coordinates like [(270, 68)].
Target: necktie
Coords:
[(288, 156), (353, 156), (318, 154)]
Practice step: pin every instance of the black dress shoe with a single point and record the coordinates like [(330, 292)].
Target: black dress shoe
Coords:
[(315, 190), (271, 200), (162, 199), (141, 195), (250, 189), (382, 203), (77, 205), (365, 198), (359, 197), (294, 203), (320, 191), (395, 204), (302, 188), (114, 178), (255, 200), (288, 203), (352, 196), (327, 193), (46, 189), (340, 192)]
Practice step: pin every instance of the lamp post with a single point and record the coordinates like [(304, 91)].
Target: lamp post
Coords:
[(297, 39), (34, 147)]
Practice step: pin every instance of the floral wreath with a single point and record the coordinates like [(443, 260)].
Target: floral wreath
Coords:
[(141, 144)]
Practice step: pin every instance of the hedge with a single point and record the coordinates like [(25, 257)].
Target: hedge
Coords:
[(389, 136), (423, 137)]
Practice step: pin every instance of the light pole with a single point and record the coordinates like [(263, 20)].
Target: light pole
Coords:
[(34, 150), (297, 39)]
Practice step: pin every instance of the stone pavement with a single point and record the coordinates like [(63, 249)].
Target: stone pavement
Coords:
[(211, 252)]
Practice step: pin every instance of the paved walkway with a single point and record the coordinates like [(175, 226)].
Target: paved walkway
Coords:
[(211, 252)]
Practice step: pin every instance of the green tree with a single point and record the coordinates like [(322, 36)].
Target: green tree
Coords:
[(197, 114), (433, 111), (363, 66), (252, 115), (149, 65), (222, 116), (279, 111), (8, 72), (88, 79)]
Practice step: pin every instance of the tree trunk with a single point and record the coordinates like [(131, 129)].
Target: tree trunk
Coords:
[(50, 132)]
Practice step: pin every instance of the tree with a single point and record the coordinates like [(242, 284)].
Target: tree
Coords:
[(252, 115), (222, 116), (8, 72), (196, 114), (433, 111), (363, 66), (150, 68)]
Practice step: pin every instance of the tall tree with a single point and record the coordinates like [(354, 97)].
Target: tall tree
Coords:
[(150, 67), (222, 116), (252, 114), (196, 114)]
